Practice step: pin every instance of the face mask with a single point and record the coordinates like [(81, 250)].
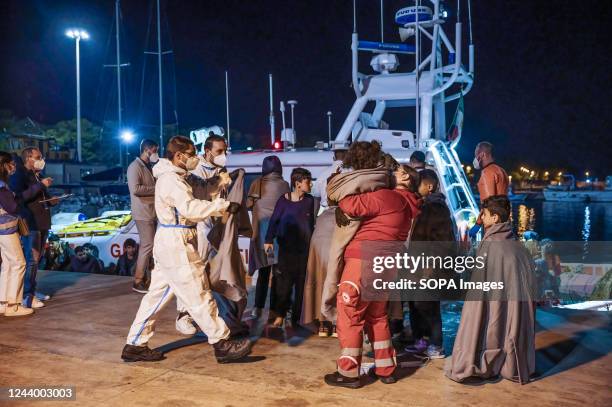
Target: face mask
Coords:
[(192, 163), (153, 158), (476, 163), (220, 160), (39, 165)]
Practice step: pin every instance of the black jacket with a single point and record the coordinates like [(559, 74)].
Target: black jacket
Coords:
[(434, 223), (29, 191)]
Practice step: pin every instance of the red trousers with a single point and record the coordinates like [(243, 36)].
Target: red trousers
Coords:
[(355, 315)]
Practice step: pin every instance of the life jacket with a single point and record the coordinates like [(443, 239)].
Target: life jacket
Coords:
[(8, 222)]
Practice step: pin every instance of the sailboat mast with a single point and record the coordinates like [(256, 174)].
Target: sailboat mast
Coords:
[(271, 113), (118, 67), (159, 68)]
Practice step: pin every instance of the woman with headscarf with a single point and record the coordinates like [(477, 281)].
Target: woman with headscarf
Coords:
[(262, 196)]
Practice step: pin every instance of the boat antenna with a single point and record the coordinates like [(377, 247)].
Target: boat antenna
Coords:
[(227, 110), (271, 112), (470, 20), (382, 22), (354, 16), (458, 17)]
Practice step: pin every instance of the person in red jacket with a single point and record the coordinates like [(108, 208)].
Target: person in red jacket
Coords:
[(386, 215)]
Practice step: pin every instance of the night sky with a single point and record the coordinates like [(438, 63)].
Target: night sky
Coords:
[(540, 93)]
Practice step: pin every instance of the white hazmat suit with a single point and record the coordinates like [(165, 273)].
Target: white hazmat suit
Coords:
[(179, 268)]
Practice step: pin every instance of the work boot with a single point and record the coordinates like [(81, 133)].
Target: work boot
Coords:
[(17, 310), (336, 379), (133, 353), (227, 350)]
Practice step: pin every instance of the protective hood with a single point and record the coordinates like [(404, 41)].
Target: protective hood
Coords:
[(164, 166)]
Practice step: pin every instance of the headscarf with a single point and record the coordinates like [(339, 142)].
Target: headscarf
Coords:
[(271, 164)]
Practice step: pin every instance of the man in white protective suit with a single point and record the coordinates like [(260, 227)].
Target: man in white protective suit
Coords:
[(216, 182), (179, 269)]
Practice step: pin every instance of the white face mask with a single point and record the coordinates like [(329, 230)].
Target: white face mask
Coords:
[(39, 165), (153, 158), (220, 160), (476, 163)]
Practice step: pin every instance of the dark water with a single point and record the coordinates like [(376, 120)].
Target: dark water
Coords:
[(564, 221)]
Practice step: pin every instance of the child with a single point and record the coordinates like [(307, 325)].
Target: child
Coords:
[(291, 224), (434, 224), (497, 335)]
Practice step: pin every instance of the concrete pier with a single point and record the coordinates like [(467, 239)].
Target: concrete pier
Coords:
[(77, 339)]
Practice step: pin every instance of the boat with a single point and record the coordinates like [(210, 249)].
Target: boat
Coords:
[(567, 191), (435, 77)]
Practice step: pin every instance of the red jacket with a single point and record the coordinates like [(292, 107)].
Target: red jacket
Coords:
[(386, 216)]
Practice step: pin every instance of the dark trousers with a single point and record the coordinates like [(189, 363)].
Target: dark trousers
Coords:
[(426, 320), (261, 287), (290, 280)]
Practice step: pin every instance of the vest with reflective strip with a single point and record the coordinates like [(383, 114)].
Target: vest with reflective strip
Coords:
[(8, 222)]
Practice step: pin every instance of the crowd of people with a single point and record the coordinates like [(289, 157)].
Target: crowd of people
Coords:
[(311, 243)]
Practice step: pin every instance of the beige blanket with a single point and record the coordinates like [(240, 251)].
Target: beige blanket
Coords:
[(338, 187)]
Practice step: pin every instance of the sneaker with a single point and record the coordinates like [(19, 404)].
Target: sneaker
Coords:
[(228, 350), (133, 353), (140, 288), (42, 297), (31, 301), (419, 346), (336, 379), (435, 352), (17, 310), (184, 324), (334, 333), (2, 309), (323, 330)]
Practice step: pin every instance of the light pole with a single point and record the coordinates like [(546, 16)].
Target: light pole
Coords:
[(78, 35), (329, 115), (292, 103)]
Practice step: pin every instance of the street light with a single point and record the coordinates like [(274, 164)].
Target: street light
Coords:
[(127, 136), (77, 35)]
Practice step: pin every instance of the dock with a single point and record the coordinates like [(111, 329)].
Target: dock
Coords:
[(76, 340)]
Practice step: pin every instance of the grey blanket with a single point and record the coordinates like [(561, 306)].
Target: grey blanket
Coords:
[(496, 334)]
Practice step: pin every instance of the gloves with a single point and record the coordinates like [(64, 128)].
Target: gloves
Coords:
[(474, 231)]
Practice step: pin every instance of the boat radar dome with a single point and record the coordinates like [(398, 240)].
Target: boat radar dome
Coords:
[(408, 15), (384, 63)]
